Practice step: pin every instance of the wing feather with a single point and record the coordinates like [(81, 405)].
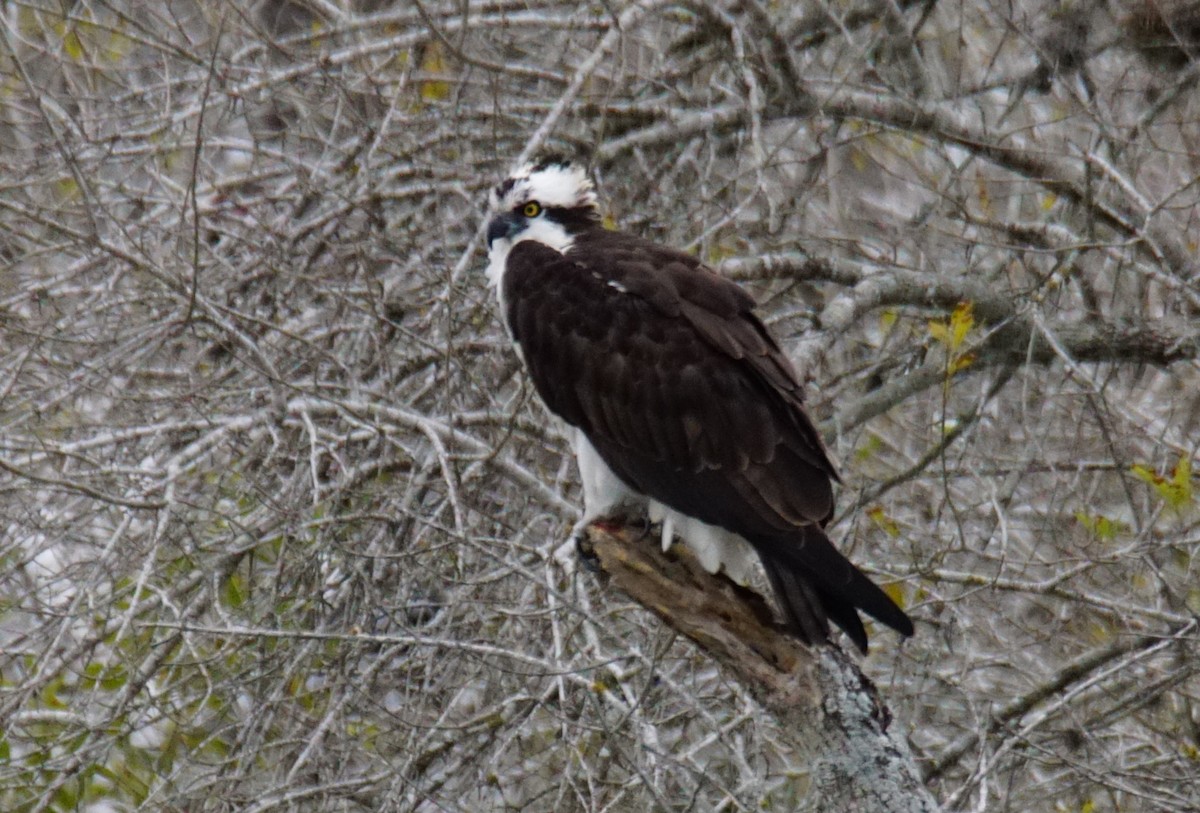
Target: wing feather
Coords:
[(626, 367), (685, 395)]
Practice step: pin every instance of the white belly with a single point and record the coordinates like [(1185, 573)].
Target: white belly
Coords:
[(604, 494)]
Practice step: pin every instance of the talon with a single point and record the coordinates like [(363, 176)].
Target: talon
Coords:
[(587, 553), (647, 525)]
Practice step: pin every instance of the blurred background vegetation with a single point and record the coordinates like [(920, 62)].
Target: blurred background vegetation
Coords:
[(282, 529)]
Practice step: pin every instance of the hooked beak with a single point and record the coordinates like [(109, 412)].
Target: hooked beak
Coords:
[(502, 226)]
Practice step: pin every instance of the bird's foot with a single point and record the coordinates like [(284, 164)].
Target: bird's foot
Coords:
[(647, 525), (587, 554), (584, 548), (608, 524)]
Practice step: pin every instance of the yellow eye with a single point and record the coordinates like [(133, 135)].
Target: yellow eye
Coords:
[(532, 209)]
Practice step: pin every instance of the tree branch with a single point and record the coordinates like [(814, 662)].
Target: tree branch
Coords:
[(1018, 341), (826, 708)]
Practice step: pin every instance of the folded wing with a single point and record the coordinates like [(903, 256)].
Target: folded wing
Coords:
[(686, 396)]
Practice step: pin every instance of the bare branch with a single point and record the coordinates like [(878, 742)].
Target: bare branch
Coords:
[(818, 693)]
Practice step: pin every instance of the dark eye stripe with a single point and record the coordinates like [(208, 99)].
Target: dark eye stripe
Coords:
[(503, 187)]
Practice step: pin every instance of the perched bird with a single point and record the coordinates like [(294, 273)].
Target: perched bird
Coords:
[(680, 403)]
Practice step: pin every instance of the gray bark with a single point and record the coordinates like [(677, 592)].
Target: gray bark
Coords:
[(827, 709)]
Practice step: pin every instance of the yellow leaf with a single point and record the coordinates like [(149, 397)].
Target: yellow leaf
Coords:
[(859, 159), (961, 322), (721, 250), (888, 319), (117, 47), (985, 198), (604, 683), (73, 46), (67, 188), (1048, 201), (886, 523), (1088, 807), (960, 362), (1099, 632), (953, 332), (27, 21), (434, 63), (895, 591)]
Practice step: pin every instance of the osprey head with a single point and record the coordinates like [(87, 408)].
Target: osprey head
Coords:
[(548, 200)]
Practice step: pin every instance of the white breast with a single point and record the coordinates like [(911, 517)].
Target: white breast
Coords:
[(497, 261), (606, 495), (544, 231)]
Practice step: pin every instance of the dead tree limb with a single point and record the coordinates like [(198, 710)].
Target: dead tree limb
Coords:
[(828, 710)]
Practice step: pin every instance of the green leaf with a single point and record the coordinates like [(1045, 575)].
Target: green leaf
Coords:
[(49, 695), (1100, 526), (868, 448), (1176, 491), (233, 591), (1181, 479)]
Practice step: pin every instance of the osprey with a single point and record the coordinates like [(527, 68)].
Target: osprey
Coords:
[(681, 405)]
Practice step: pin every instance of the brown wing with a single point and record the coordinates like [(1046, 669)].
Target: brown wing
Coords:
[(682, 391)]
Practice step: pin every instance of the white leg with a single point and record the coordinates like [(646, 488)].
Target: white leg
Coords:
[(604, 495)]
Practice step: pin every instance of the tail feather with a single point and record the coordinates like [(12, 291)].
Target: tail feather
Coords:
[(802, 607), (846, 616), (814, 582)]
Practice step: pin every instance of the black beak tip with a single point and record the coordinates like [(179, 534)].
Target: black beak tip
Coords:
[(498, 228)]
